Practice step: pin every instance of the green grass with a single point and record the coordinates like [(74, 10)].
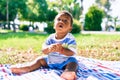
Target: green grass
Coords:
[(22, 41), (98, 46)]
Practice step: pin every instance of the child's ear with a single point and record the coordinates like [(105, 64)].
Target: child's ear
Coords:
[(54, 25), (70, 29)]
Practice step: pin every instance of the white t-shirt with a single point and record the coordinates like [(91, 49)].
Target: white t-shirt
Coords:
[(68, 42)]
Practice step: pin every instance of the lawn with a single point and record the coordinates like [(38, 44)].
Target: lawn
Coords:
[(23, 46)]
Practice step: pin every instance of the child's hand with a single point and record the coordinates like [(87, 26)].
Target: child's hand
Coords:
[(56, 48)]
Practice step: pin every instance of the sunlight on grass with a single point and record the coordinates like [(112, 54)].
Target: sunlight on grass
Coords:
[(104, 47), (17, 47), (22, 41)]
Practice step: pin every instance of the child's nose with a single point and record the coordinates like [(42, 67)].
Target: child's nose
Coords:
[(62, 21)]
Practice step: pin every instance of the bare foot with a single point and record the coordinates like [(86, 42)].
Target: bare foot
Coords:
[(68, 75)]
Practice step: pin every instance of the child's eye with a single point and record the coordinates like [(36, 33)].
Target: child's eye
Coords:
[(65, 21), (58, 19)]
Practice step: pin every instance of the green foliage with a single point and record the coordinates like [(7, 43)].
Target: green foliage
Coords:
[(8, 5), (2, 10), (76, 27), (60, 4), (118, 28), (24, 27), (93, 19), (35, 10), (76, 11), (106, 4), (51, 14), (14, 7), (70, 5), (49, 29)]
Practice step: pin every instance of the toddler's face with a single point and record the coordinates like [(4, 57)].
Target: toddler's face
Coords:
[(62, 23)]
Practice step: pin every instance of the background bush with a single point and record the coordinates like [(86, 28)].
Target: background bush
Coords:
[(93, 19), (24, 27), (118, 28), (49, 29), (76, 26)]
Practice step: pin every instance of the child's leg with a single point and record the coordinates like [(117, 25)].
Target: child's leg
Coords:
[(35, 65), (70, 71), (72, 66)]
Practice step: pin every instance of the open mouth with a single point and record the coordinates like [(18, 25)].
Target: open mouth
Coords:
[(60, 26)]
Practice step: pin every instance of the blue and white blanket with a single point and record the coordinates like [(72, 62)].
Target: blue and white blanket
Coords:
[(89, 69)]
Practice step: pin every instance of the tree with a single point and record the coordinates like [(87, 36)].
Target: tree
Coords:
[(35, 10), (72, 6), (106, 4), (9, 9), (93, 19), (51, 14), (115, 20), (2, 10), (12, 9), (76, 11)]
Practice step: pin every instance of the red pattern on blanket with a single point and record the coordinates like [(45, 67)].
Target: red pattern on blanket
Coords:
[(89, 69)]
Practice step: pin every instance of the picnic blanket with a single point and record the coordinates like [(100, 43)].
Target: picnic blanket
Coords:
[(89, 69)]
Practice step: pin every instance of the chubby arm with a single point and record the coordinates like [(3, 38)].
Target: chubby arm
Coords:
[(67, 52), (58, 48)]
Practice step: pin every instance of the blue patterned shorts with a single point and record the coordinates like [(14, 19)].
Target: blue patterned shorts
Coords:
[(61, 65)]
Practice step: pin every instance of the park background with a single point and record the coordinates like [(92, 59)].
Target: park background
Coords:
[(25, 24)]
